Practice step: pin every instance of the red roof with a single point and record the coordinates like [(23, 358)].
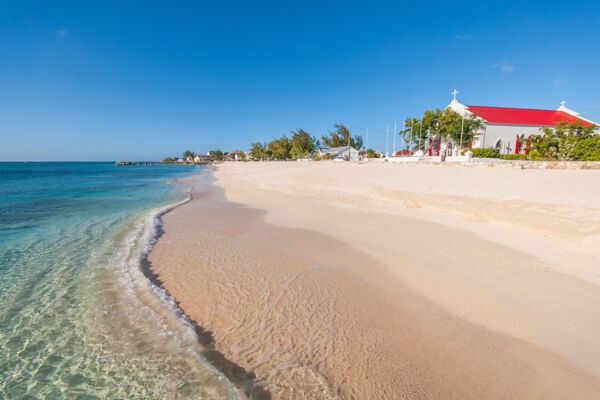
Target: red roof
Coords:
[(523, 116)]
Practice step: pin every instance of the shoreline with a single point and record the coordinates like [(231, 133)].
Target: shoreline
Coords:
[(182, 273)]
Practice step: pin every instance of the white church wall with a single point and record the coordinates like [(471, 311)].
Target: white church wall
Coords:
[(507, 134)]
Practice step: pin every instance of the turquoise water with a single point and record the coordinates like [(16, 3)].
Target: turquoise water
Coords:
[(78, 317)]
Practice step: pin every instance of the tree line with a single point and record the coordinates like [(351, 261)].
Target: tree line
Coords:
[(214, 154), (440, 124), (301, 144)]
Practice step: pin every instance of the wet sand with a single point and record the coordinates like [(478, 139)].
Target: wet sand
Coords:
[(303, 286)]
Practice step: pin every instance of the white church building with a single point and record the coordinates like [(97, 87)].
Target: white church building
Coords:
[(506, 129)]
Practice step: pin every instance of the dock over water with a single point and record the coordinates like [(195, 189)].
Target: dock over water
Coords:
[(133, 163)]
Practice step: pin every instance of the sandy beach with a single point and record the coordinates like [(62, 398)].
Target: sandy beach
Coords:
[(328, 280)]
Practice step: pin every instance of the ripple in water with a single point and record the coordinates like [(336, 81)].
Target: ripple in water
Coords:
[(78, 316)]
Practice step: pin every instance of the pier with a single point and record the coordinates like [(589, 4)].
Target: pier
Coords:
[(134, 163)]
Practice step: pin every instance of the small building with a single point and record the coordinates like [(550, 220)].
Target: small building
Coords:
[(236, 155), (201, 158), (339, 153), (506, 129)]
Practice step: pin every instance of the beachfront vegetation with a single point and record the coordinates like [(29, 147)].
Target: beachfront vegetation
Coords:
[(302, 145), (216, 154), (446, 124), (483, 153), (341, 137), (188, 153), (280, 148), (259, 151), (587, 149), (372, 154), (565, 141), (514, 156)]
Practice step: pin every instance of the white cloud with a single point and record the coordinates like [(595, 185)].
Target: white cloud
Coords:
[(462, 37), (596, 106), (61, 32), (559, 82), (504, 67)]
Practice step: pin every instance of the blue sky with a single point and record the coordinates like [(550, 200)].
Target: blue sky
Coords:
[(108, 81)]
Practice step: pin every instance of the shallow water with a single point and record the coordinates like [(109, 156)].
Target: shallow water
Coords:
[(78, 317)]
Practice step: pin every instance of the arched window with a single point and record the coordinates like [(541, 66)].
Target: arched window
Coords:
[(499, 146)]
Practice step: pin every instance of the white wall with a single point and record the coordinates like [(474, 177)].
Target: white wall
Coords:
[(507, 133)]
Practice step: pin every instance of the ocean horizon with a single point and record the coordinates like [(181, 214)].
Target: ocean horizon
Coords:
[(79, 317)]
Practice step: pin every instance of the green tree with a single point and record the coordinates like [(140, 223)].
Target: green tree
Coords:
[(301, 144), (280, 148), (588, 149), (371, 154), (467, 129), (340, 137), (259, 151), (413, 133), (240, 155), (437, 124), (560, 142), (216, 154), (187, 154)]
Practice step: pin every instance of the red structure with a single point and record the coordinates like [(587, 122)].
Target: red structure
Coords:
[(523, 116)]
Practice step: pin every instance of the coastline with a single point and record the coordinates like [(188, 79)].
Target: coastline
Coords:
[(287, 295)]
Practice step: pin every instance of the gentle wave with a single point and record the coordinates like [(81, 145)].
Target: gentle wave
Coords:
[(79, 317)]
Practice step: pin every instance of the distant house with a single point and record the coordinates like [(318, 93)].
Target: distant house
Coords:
[(339, 153), (201, 158), (235, 156)]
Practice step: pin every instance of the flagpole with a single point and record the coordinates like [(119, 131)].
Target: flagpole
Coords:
[(394, 154), (412, 125), (403, 139), (462, 127)]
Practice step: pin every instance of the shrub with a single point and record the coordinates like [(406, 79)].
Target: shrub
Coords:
[(588, 149), (372, 154), (326, 156), (483, 153), (514, 156), (316, 157)]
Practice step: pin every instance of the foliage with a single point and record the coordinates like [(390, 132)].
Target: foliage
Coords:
[(372, 154), (437, 123), (301, 144), (316, 157), (280, 148), (514, 156), (188, 153), (216, 154), (170, 159), (588, 149), (326, 156), (470, 126), (240, 155), (259, 151), (560, 142), (340, 137), (483, 153)]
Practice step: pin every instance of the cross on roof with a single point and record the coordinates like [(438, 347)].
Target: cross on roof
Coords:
[(562, 104), (454, 93)]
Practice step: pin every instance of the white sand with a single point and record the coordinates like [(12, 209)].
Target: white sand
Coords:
[(541, 285), (512, 253)]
